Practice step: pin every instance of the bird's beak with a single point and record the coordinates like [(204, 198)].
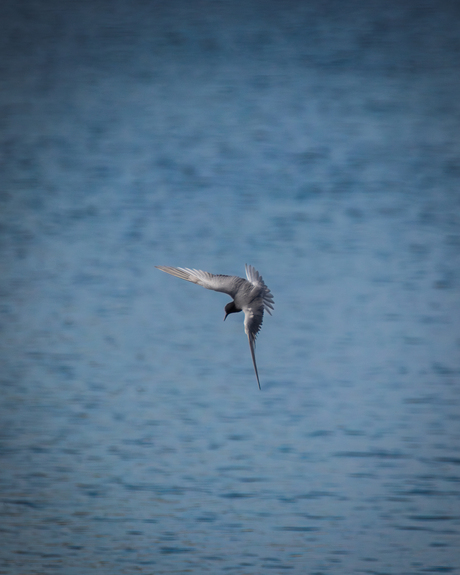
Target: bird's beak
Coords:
[(225, 316)]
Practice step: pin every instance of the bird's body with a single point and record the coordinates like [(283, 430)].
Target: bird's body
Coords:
[(250, 296)]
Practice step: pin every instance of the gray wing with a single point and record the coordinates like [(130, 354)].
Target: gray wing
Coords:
[(256, 279), (222, 283), (253, 317)]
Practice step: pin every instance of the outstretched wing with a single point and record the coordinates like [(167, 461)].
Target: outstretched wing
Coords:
[(253, 317), (256, 279), (251, 347), (222, 283)]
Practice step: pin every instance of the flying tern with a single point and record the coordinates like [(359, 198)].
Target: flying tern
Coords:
[(250, 296)]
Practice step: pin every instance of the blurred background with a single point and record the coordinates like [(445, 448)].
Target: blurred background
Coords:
[(317, 141)]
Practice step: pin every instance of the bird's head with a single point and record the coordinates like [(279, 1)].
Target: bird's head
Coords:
[(230, 308)]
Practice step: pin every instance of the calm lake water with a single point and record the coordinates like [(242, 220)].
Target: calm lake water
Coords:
[(317, 142)]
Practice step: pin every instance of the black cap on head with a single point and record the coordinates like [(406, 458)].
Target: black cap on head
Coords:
[(230, 308)]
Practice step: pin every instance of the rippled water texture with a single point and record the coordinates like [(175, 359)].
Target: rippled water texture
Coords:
[(318, 142)]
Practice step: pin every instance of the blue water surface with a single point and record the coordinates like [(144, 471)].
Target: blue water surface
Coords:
[(319, 143)]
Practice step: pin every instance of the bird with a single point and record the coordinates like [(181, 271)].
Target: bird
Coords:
[(250, 296)]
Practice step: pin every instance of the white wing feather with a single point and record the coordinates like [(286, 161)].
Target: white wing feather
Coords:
[(256, 279), (221, 283)]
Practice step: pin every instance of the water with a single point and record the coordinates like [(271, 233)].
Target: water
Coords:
[(317, 144)]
